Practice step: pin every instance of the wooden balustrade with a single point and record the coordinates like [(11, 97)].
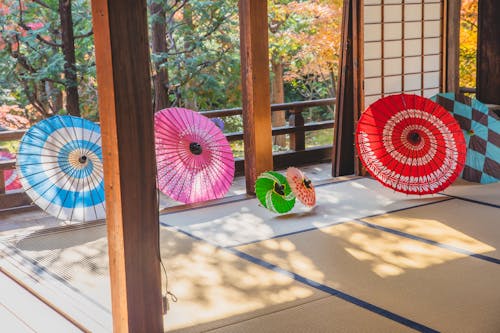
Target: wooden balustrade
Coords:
[(7, 164), (15, 199), (298, 154)]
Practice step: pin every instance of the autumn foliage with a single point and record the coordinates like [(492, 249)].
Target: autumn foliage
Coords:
[(468, 43)]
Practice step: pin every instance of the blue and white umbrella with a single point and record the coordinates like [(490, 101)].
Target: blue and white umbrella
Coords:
[(59, 163)]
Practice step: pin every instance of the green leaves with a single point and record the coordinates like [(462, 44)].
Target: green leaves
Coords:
[(202, 55), (32, 55)]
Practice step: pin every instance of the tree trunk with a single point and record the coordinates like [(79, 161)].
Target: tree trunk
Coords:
[(159, 46), (54, 97), (278, 96), (68, 42), (189, 99)]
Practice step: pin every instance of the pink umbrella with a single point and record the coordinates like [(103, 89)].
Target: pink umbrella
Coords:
[(10, 176), (301, 186), (195, 161)]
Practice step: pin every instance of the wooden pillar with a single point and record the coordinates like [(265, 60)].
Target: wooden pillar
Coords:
[(451, 46), (350, 92), (254, 48), (488, 52), (126, 114)]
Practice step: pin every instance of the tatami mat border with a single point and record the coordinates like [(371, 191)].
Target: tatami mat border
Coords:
[(342, 222), (242, 197), (427, 241), (332, 291), (34, 269), (471, 200)]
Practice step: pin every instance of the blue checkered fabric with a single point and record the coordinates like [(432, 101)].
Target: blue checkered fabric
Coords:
[(481, 129)]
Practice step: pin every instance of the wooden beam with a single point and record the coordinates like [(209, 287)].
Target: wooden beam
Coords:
[(255, 82), (349, 91), (126, 114), (488, 52), (452, 45), (15, 200)]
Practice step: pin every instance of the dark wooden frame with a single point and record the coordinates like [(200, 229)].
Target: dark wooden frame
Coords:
[(488, 52), (451, 44), (350, 91)]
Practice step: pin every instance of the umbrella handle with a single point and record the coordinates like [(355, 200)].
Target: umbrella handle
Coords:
[(280, 189), (195, 148)]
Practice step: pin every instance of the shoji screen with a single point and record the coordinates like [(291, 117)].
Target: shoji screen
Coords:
[(402, 47)]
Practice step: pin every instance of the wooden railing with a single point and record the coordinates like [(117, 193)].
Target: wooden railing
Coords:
[(18, 198), (296, 128), (466, 90), (298, 154)]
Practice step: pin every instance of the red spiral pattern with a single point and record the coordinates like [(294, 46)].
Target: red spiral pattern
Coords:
[(410, 144)]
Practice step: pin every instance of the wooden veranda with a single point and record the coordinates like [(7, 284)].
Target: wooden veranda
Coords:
[(126, 115)]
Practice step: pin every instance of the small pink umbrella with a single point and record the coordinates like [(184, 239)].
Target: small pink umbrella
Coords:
[(301, 186), (195, 161), (11, 179)]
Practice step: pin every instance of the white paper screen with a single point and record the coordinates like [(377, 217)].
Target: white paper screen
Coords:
[(402, 47)]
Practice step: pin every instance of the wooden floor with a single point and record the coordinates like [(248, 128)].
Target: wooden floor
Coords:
[(21, 312), (390, 264)]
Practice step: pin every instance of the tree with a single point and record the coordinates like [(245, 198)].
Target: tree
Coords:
[(37, 45), (304, 43), (195, 55), (47, 57), (159, 48)]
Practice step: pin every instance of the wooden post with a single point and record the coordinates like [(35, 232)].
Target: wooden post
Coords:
[(451, 45), (297, 138), (344, 161), (255, 81), (126, 115), (488, 52), (2, 182)]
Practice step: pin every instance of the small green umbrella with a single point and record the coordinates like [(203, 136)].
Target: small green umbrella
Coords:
[(274, 192)]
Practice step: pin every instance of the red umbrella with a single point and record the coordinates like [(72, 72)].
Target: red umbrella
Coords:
[(11, 180), (410, 144), (195, 161)]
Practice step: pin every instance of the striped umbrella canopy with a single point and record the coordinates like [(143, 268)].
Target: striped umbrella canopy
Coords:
[(481, 128), (274, 192), (60, 167)]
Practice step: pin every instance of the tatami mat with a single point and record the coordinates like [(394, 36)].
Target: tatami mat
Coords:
[(365, 259), (465, 225), (245, 221), (322, 316), (485, 193), (441, 289), (214, 288)]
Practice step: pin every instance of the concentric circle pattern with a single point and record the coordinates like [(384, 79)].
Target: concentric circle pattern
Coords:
[(60, 166), (274, 192), (410, 144), (195, 161)]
